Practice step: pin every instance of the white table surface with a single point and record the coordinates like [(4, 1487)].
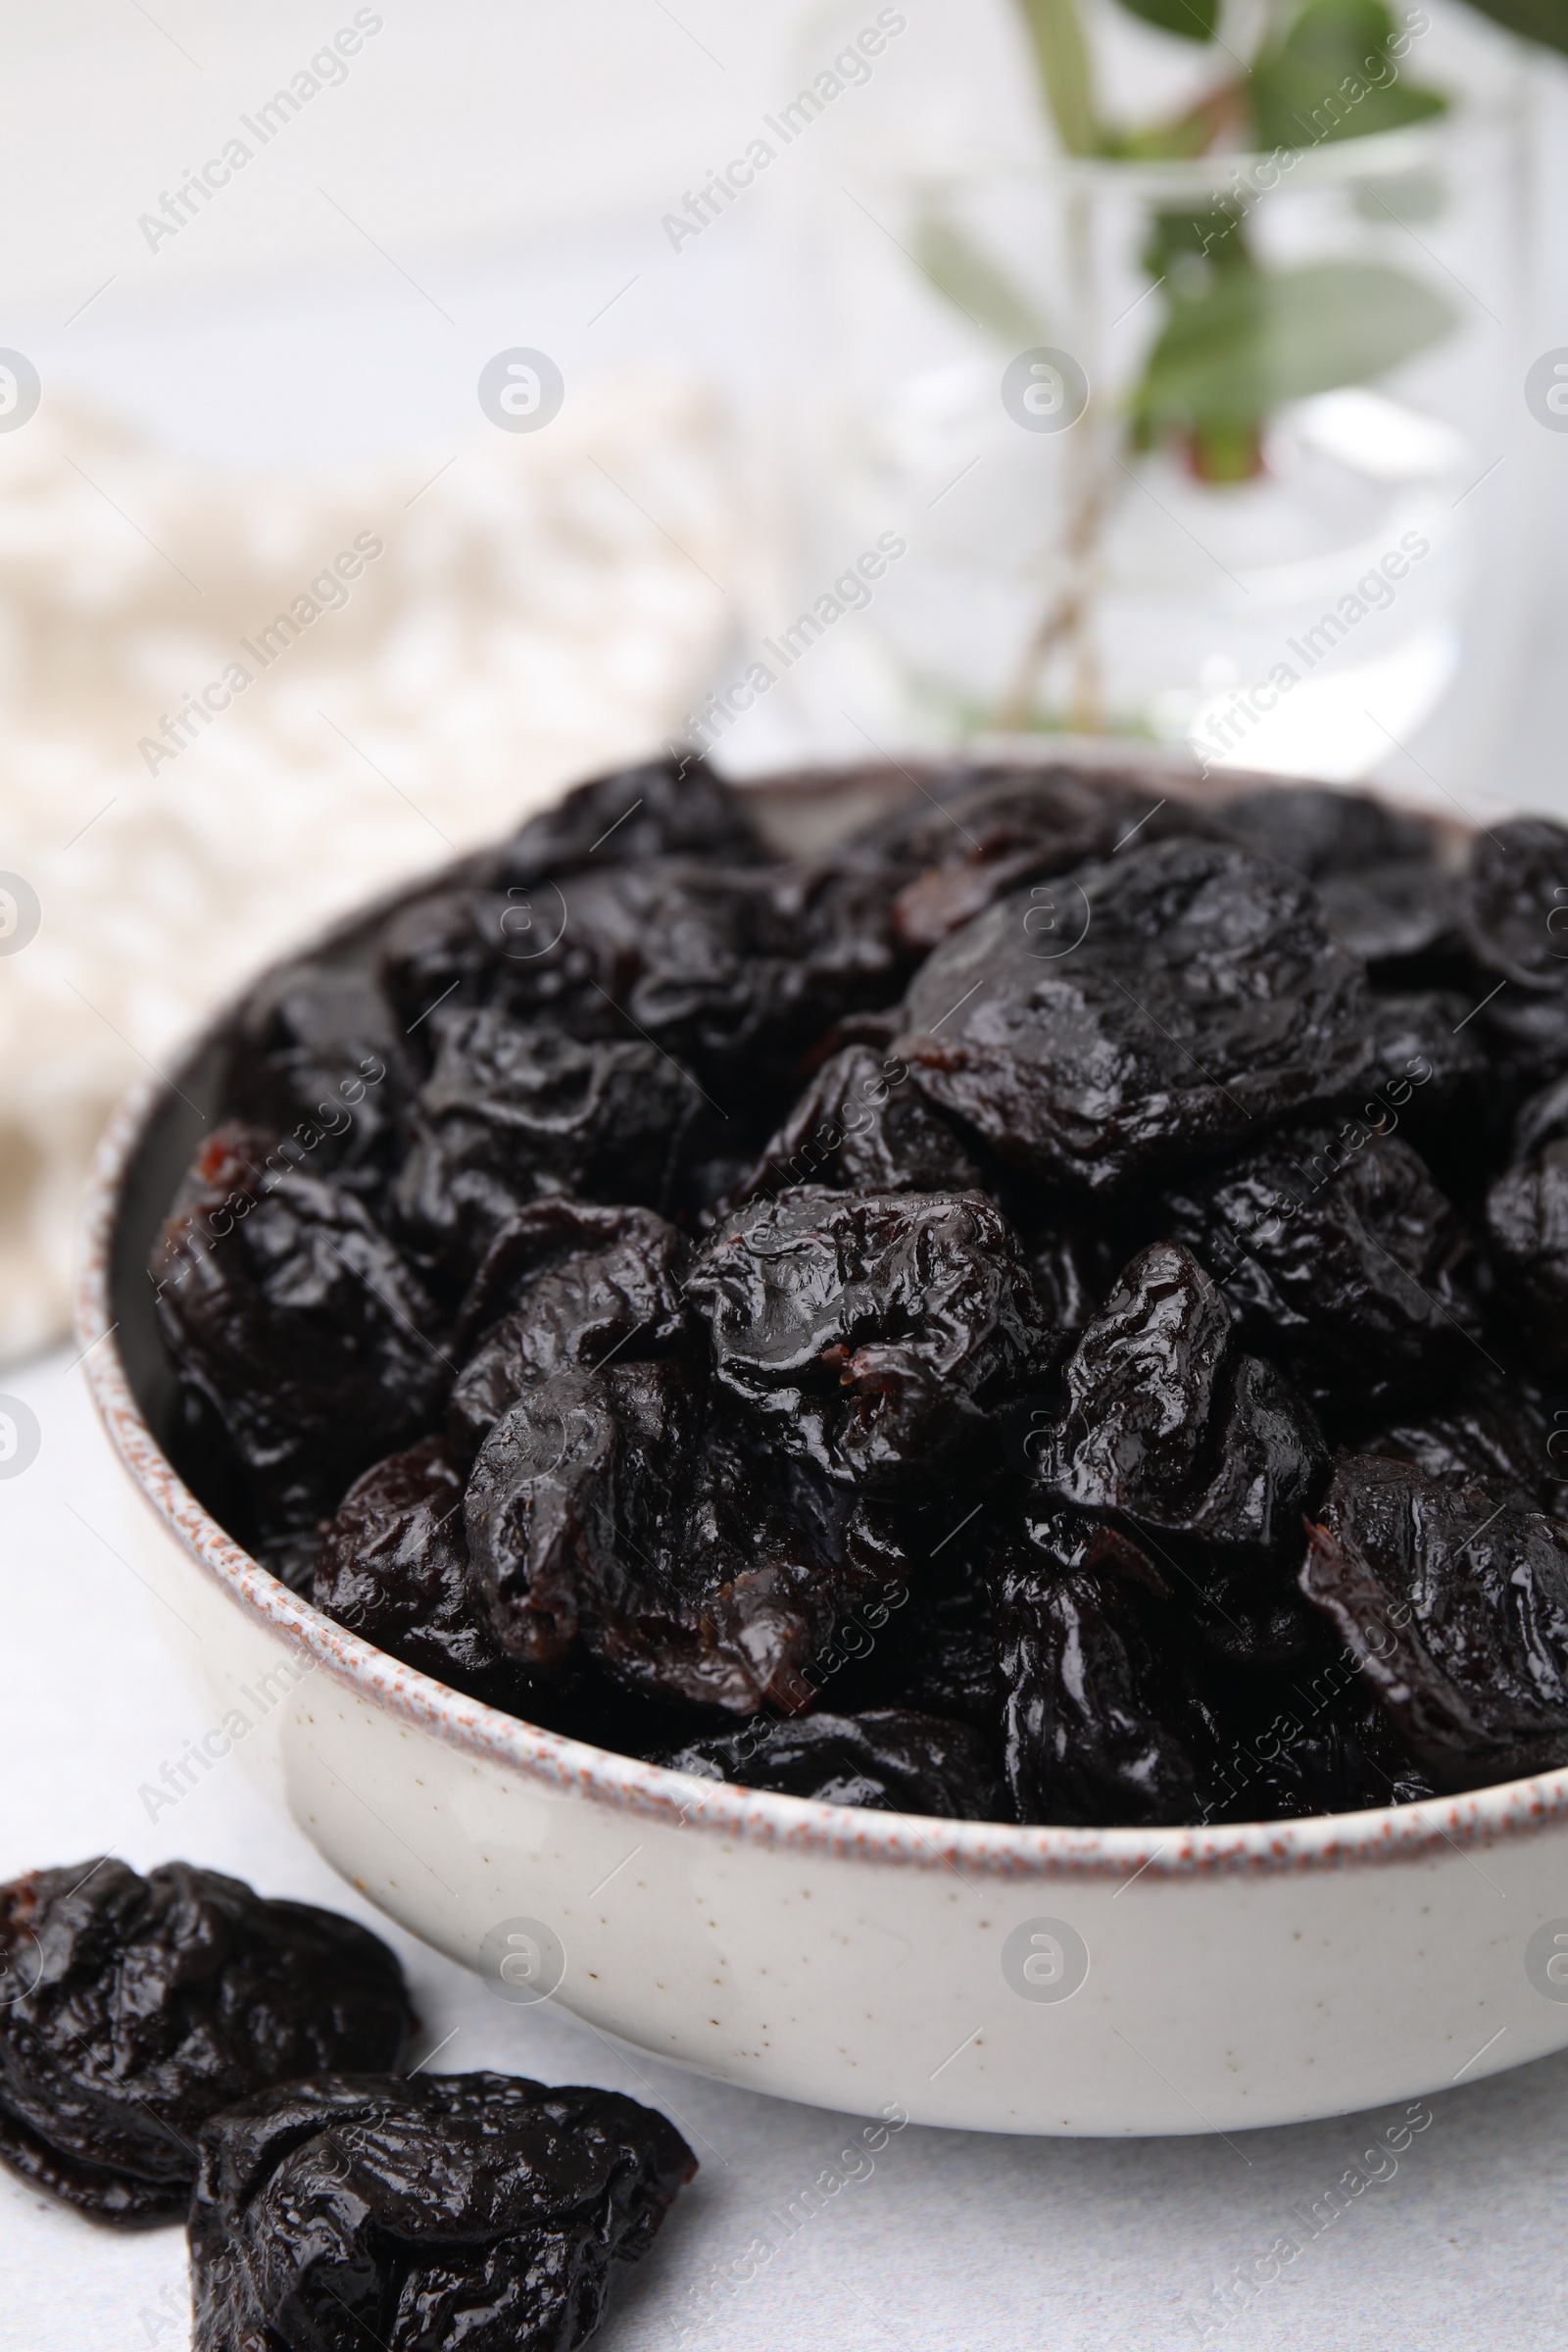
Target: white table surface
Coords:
[(954, 2242)]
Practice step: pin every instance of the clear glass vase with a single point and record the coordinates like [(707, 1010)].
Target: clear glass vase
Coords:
[(982, 318)]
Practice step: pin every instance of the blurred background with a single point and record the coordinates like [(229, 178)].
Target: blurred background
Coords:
[(406, 410)]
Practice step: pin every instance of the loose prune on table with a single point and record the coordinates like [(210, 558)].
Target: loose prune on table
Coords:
[(1452, 1597), (565, 1285), (1006, 827), (438, 2213), (316, 1053), (293, 1315), (665, 808), (861, 1126), (887, 1759), (149, 2003), (1102, 1720), (510, 1112), (1321, 831), (1335, 1250), (1187, 996), (618, 1514), (1526, 1228), (872, 1334)]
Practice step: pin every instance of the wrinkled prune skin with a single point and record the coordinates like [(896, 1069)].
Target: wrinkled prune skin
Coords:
[(663, 809), (1335, 1250), (1102, 1718), (861, 1126), (289, 1310), (1527, 1230), (961, 855), (150, 2003), (1322, 1745), (580, 1283), (1205, 1001), (1515, 920), (433, 2213), (1453, 1600), (951, 1634), (733, 970), (1403, 920), (872, 1335), (1321, 831), (1168, 1423), (510, 1112), (394, 1567), (316, 1050), (617, 1513), (886, 1759), (1495, 1427)]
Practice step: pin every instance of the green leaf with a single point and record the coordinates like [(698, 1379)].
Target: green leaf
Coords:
[(1194, 20), (1232, 354), (973, 284), (1538, 20), (1061, 58), (1333, 78)]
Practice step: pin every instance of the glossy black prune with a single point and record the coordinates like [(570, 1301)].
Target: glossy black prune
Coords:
[(1452, 1597), (860, 1126), (1403, 921), (1185, 997), (436, 2212), (673, 807), (146, 2004), (510, 1112), (289, 1310), (315, 1050), (1101, 1719), (1337, 1254), (1527, 1230), (985, 836), (1323, 831), (617, 1513), (1515, 919), (1318, 1744), (886, 1759), (871, 1333), (565, 1285), (1495, 1426)]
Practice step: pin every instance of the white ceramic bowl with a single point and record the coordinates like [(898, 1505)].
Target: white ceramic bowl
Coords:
[(999, 1978)]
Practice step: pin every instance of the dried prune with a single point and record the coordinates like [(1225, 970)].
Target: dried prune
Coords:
[(1318, 1744), (1000, 827), (146, 2004), (1402, 919), (1194, 996), (1527, 1227), (861, 1127), (673, 807), (1515, 916), (315, 1054), (1337, 1252), (871, 1333), (580, 1283), (440, 2213), (887, 1759), (615, 1512), (1495, 1427), (1320, 830), (289, 1309), (1453, 1600), (510, 1112), (1166, 1421), (1101, 1719)]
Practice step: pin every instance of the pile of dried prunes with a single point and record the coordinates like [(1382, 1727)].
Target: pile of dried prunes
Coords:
[(1047, 1314)]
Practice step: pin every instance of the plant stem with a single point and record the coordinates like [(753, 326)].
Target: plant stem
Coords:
[(1061, 55)]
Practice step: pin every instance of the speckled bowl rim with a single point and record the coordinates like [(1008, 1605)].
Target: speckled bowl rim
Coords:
[(1391, 1834)]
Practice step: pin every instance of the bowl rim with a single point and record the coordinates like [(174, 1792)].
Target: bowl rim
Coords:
[(989, 1851)]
